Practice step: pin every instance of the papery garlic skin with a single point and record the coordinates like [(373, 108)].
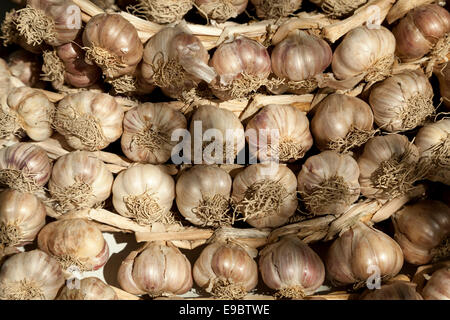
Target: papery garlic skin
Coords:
[(421, 228), (397, 290), (148, 130), (74, 243), (339, 8), (226, 265), (89, 120), (243, 65), (279, 132), (366, 53), (433, 142), (220, 126), (402, 102), (443, 74), (164, 11), (388, 167), (298, 58), (144, 192), (113, 43), (22, 215), (419, 32), (268, 9), (159, 270), (90, 289), (203, 195), (33, 111), (438, 287), (328, 183), (32, 275), (176, 60), (291, 267), (25, 66), (54, 22), (79, 180), (24, 167), (342, 123), (265, 194), (222, 10), (360, 252)]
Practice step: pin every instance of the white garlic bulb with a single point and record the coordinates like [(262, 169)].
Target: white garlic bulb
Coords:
[(79, 180), (22, 215), (24, 167), (269, 9), (328, 183), (32, 275), (89, 120), (437, 287), (279, 131), (158, 270), (291, 267), (342, 123), (144, 192), (433, 142), (365, 53), (74, 243), (226, 270), (222, 10), (388, 167), (297, 59), (89, 289), (147, 132), (265, 194), (27, 110), (203, 195), (220, 126), (402, 102)]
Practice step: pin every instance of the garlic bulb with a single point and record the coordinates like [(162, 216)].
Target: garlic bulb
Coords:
[(54, 22), (291, 267), (147, 132), (226, 270), (222, 10), (25, 66), (443, 75), (24, 167), (220, 126), (339, 8), (433, 142), (265, 194), (361, 254), (297, 59), (29, 111), (397, 290), (402, 102), (163, 11), (79, 180), (89, 120), (74, 243), (424, 29), (279, 131), (32, 275), (90, 289), (328, 183), (176, 60), (421, 229), (144, 192), (388, 167), (269, 9), (67, 64), (364, 53), (243, 66), (159, 270), (342, 123), (438, 287), (112, 43), (203, 195), (22, 215)]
